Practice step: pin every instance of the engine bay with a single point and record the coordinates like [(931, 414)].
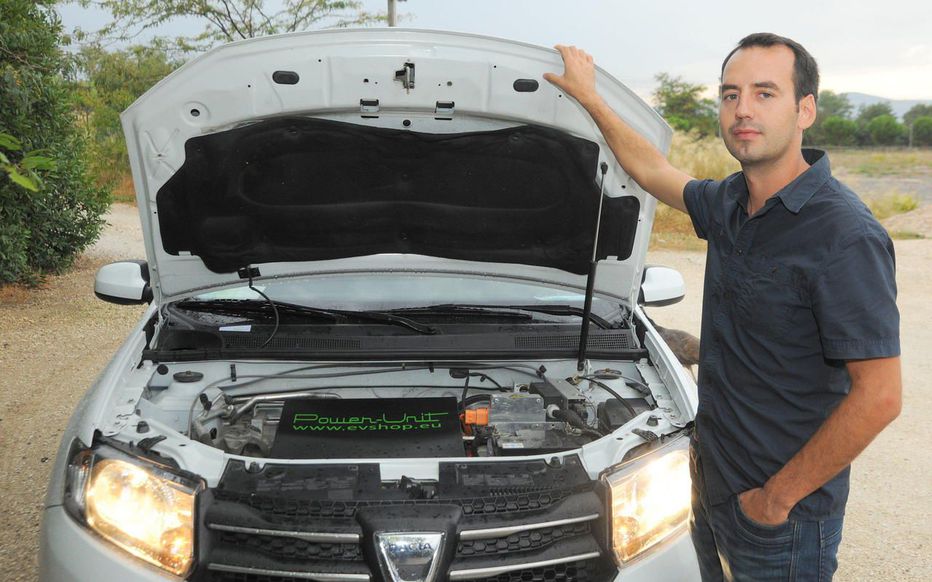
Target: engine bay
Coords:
[(397, 410)]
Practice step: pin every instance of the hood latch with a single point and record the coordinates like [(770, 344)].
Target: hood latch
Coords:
[(406, 76)]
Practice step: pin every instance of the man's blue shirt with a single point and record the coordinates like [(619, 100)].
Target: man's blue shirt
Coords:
[(791, 294)]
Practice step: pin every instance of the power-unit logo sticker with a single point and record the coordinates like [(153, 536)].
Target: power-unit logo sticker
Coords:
[(310, 421), (369, 428)]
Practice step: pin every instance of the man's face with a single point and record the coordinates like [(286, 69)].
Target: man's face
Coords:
[(759, 116)]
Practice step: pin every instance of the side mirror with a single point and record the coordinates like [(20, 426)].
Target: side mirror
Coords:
[(661, 286), (124, 283)]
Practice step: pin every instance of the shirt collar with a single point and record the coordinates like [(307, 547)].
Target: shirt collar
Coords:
[(795, 194)]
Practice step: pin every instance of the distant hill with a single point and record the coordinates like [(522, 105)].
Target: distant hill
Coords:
[(900, 106)]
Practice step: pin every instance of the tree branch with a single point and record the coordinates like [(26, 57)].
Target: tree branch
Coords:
[(230, 20)]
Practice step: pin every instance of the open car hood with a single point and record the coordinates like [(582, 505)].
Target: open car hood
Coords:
[(383, 150)]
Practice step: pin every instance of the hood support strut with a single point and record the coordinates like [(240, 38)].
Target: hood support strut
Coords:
[(590, 279)]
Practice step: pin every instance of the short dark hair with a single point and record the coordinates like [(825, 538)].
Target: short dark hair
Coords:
[(805, 69)]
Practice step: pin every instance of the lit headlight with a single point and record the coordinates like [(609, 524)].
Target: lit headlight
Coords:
[(141, 508), (649, 499)]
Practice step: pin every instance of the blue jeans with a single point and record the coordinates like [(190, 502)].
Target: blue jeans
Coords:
[(732, 547)]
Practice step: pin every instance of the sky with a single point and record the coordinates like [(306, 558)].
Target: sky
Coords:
[(879, 48)]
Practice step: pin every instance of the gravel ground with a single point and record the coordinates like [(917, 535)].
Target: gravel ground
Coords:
[(54, 341), (918, 222), (915, 184)]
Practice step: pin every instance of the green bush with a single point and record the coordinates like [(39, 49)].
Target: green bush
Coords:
[(885, 130), (41, 231), (922, 131), (839, 131), (24, 171), (113, 81)]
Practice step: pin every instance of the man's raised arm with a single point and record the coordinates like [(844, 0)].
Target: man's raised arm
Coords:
[(641, 160)]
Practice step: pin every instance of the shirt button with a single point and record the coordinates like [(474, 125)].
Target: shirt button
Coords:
[(740, 252)]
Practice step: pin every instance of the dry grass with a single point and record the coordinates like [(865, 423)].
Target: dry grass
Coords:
[(673, 230), (901, 162), (702, 158), (123, 190), (16, 294), (892, 204), (906, 235)]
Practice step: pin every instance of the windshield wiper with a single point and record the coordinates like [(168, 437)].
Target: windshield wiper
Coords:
[(264, 308), (566, 310), (465, 311), (512, 311)]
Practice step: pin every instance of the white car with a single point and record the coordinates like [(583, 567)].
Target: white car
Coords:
[(395, 331)]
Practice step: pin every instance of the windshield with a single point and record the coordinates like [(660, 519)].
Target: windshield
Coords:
[(382, 292)]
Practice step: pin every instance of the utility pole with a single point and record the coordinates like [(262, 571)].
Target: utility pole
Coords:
[(392, 12)]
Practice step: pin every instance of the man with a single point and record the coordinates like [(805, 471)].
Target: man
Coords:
[(800, 331)]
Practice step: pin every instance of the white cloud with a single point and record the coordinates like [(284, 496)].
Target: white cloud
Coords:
[(920, 53), (898, 82)]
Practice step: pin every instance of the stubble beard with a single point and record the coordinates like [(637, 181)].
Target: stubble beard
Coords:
[(764, 150)]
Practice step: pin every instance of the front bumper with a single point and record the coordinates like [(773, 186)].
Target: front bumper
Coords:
[(675, 562), (70, 553)]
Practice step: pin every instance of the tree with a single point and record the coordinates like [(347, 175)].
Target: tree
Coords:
[(922, 130), (41, 229), (229, 20), (885, 130), (915, 112), (113, 80), (831, 105), (682, 105), (868, 112), (839, 131)]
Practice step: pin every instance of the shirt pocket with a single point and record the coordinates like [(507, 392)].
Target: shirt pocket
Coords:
[(770, 296)]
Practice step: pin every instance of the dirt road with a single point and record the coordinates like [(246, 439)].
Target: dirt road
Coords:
[(54, 342)]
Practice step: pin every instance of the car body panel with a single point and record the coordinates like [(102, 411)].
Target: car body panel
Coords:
[(233, 85)]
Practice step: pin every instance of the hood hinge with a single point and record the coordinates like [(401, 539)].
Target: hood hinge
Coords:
[(443, 110), (369, 108)]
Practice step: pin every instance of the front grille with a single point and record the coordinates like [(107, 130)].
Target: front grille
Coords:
[(595, 570), (500, 503), (240, 577), (234, 577), (527, 540), (292, 508), (257, 530), (581, 571), (290, 548)]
